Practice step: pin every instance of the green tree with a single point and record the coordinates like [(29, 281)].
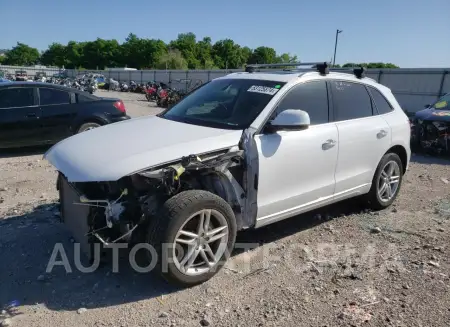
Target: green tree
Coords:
[(173, 59), (186, 43), (100, 54), (55, 55), (204, 53), (263, 55), (370, 65), (246, 53), (286, 58), (22, 55), (74, 53), (227, 54), (141, 53)]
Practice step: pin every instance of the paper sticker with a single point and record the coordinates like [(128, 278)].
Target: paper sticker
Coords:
[(263, 89), (441, 104)]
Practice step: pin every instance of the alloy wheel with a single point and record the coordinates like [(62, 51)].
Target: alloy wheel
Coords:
[(200, 242), (389, 181)]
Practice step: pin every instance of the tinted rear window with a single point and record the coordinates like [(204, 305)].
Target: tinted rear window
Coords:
[(381, 103), (52, 96), (350, 100), (85, 98)]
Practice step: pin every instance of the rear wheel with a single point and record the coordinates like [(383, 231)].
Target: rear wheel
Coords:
[(193, 235), (387, 182), (87, 126)]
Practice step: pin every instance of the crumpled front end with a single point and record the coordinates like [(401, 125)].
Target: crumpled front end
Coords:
[(119, 211), (430, 131)]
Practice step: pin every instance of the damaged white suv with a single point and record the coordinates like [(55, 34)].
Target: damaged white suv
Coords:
[(242, 151)]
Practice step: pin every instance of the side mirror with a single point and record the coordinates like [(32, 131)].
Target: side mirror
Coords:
[(290, 119)]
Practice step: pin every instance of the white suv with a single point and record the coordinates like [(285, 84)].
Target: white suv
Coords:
[(242, 151)]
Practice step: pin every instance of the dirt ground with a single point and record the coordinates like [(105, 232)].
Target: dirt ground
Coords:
[(338, 266)]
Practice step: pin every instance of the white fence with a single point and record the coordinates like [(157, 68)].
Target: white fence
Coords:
[(413, 87)]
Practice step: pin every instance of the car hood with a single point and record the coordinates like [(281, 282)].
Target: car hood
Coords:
[(112, 151), (433, 115)]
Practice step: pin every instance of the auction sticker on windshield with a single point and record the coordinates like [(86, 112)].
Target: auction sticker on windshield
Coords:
[(263, 89)]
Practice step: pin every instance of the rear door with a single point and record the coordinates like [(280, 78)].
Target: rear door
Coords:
[(57, 113), (364, 137), (19, 117)]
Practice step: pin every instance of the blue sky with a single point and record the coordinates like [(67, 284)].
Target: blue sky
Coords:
[(410, 33)]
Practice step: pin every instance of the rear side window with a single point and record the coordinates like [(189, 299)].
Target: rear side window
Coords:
[(311, 97), (381, 103), (16, 97), (83, 98), (350, 100), (52, 96)]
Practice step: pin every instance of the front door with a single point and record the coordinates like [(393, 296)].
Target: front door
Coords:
[(19, 117), (296, 168)]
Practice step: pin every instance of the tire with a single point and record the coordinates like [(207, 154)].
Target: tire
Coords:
[(176, 214), (87, 126), (374, 198)]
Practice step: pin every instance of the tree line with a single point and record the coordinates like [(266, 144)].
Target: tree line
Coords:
[(185, 52)]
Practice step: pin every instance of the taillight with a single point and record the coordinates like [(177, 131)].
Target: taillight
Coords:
[(120, 106)]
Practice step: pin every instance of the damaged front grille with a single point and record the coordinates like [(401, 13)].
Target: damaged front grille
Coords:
[(432, 137)]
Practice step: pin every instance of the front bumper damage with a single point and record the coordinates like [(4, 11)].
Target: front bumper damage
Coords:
[(111, 212), (431, 136)]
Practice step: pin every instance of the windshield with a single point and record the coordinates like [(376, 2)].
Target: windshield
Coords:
[(225, 103), (443, 103)]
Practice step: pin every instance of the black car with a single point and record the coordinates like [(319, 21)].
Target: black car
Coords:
[(430, 127), (43, 113)]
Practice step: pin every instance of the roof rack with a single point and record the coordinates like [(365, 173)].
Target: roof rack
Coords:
[(321, 67), (360, 72)]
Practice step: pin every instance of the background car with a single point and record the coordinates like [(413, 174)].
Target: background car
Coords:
[(21, 75), (430, 127), (42, 113)]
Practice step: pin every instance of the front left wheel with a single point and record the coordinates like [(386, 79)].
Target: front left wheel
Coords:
[(193, 235)]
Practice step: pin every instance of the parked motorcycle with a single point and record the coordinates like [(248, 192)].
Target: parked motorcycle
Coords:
[(123, 87)]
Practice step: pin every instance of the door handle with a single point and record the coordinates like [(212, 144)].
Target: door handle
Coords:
[(328, 144), (31, 115), (381, 134)]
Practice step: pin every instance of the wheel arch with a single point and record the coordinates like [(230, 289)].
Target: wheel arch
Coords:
[(222, 185), (91, 119), (401, 152)]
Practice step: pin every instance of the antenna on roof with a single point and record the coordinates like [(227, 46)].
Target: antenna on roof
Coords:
[(321, 67), (360, 72)]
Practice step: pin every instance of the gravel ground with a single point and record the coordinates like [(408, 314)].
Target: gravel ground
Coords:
[(339, 266)]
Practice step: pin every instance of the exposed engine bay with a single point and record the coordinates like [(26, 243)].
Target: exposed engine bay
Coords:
[(431, 136), (119, 211)]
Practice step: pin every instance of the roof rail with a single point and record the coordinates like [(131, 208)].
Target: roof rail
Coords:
[(321, 67)]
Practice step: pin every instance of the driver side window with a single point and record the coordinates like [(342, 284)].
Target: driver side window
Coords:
[(311, 97)]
